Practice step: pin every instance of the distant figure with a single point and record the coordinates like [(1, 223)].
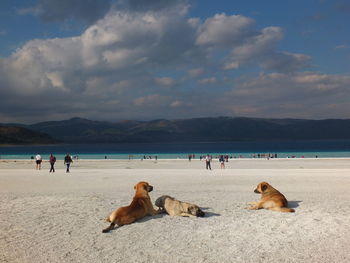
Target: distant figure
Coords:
[(67, 161), (52, 160), (189, 157), (105, 156), (38, 161), (222, 162), (207, 162), (226, 158)]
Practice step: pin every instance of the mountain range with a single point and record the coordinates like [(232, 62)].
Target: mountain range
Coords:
[(78, 130), (10, 134)]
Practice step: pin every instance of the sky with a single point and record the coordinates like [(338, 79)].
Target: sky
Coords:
[(118, 60)]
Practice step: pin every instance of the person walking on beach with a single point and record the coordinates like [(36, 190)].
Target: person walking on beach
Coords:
[(67, 161), (222, 162), (38, 161), (207, 162), (52, 161)]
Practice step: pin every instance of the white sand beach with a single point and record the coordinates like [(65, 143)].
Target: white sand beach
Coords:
[(59, 217)]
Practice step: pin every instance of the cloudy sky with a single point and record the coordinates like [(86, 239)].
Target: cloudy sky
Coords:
[(149, 59)]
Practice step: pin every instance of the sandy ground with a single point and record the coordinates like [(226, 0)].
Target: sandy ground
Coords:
[(59, 217)]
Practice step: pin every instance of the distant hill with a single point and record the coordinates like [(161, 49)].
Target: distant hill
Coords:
[(20, 135), (78, 130)]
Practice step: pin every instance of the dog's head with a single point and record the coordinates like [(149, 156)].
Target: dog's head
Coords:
[(261, 188), (161, 200), (143, 187), (195, 210)]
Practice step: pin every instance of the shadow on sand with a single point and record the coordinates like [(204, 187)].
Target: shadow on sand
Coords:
[(209, 214), (147, 218), (293, 204), (142, 220)]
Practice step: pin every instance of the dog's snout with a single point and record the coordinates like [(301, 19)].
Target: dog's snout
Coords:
[(256, 191), (150, 188)]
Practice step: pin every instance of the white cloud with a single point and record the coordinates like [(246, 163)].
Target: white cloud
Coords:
[(111, 69), (195, 72), (231, 65), (342, 47), (205, 81), (165, 81), (261, 50), (176, 104), (285, 61), (151, 101), (225, 31), (298, 95)]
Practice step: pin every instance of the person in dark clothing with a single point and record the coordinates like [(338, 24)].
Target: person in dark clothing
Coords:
[(52, 161), (222, 162), (207, 162), (67, 161)]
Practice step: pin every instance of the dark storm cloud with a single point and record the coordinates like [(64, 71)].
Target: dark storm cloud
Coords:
[(60, 10), (155, 5)]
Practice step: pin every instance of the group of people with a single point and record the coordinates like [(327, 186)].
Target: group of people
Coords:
[(265, 155), (52, 160), (208, 158)]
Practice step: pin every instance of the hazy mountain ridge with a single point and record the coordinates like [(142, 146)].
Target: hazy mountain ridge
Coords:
[(78, 130)]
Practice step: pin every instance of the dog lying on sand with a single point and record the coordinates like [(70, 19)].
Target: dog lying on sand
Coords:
[(140, 206), (177, 208), (271, 199)]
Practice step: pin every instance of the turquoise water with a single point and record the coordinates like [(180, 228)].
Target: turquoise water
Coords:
[(307, 149), (185, 156)]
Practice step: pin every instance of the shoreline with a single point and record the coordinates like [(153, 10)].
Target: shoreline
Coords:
[(194, 164)]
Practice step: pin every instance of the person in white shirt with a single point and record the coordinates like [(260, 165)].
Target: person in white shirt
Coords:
[(38, 161), (207, 162)]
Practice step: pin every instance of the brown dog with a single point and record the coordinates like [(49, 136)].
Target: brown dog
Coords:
[(271, 199), (140, 206)]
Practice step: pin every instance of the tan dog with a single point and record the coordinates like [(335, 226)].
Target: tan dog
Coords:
[(140, 206), (177, 208), (271, 199)]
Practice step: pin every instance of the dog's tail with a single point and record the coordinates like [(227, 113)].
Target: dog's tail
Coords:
[(106, 230)]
